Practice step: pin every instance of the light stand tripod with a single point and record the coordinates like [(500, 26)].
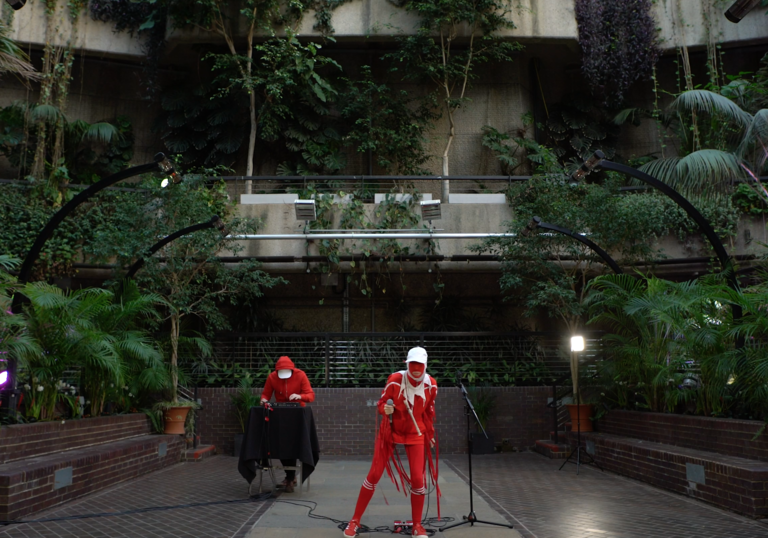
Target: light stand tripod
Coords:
[(577, 452), (469, 410)]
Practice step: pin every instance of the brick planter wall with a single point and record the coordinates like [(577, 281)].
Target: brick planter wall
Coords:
[(720, 435), (20, 441), (346, 418), (729, 482), (29, 486)]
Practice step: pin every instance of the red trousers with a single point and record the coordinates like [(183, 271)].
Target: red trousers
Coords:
[(416, 461)]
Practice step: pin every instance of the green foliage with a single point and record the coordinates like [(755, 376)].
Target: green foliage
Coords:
[(452, 39), (388, 123), (90, 151), (542, 159), (484, 402), (577, 127), (203, 126), (748, 201), (671, 345), (244, 399), (189, 277), (93, 330)]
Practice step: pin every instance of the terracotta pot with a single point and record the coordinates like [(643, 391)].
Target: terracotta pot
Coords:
[(585, 410), (175, 418)]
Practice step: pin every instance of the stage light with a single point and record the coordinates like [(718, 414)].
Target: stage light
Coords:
[(16, 4), (166, 167), (430, 210), (589, 165), (219, 225), (577, 343), (305, 210), (532, 225), (739, 10)]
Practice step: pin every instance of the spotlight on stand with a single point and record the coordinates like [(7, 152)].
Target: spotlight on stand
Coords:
[(739, 10), (532, 225), (217, 223), (305, 210), (430, 210), (16, 5), (589, 165), (166, 167)]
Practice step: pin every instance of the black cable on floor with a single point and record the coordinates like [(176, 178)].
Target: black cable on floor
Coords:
[(253, 498)]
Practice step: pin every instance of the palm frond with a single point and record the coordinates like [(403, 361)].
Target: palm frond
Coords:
[(47, 113), (706, 172), (102, 132), (711, 103)]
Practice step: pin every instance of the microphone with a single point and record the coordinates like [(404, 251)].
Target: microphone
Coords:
[(390, 402)]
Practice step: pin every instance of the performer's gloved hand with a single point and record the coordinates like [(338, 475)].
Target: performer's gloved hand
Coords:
[(263, 401), (294, 397), (389, 409), (432, 443)]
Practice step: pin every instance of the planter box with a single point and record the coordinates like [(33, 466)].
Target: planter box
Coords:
[(238, 443), (720, 435), (280, 198), (20, 441)]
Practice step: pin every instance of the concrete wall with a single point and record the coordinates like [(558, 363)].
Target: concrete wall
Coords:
[(87, 35)]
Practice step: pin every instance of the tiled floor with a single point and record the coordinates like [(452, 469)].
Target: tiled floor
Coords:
[(214, 479), (526, 489), (543, 502)]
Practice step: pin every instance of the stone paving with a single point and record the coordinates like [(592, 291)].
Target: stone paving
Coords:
[(526, 489), (543, 502)]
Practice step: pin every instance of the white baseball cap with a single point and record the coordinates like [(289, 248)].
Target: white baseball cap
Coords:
[(417, 354), (284, 374)]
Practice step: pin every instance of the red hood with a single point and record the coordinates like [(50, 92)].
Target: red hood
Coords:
[(284, 363)]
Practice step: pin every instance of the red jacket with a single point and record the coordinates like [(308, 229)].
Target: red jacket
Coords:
[(404, 431), (298, 383)]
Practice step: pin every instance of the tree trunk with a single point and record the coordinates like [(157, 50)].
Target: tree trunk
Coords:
[(446, 183)]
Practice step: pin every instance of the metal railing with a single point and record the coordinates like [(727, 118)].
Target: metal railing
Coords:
[(366, 359)]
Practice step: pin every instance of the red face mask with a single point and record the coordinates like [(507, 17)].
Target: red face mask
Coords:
[(415, 370)]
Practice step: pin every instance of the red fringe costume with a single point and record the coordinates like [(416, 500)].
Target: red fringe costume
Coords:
[(405, 430)]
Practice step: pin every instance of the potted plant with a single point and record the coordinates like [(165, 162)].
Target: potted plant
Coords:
[(484, 402), (243, 400)]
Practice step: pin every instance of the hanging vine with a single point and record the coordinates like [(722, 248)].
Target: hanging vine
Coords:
[(619, 41)]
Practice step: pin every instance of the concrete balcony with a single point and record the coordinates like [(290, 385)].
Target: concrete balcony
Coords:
[(30, 27)]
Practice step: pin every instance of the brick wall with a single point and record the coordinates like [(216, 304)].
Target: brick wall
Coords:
[(28, 486), (730, 482), (346, 419), (720, 435), (29, 440)]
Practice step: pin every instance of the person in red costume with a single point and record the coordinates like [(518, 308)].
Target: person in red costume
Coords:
[(410, 422), (288, 384)]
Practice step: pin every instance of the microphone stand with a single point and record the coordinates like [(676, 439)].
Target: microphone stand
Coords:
[(469, 410)]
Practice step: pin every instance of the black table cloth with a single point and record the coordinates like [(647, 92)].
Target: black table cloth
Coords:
[(289, 433)]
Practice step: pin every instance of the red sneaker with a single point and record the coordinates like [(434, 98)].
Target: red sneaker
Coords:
[(418, 531), (352, 528)]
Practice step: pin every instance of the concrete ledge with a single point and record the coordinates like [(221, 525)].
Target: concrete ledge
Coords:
[(490, 198), (730, 482), (35, 484), (20, 441)]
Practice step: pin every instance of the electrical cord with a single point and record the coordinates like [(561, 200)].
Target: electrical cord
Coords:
[(254, 498)]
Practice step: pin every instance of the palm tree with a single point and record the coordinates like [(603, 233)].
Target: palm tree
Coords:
[(93, 330), (13, 60)]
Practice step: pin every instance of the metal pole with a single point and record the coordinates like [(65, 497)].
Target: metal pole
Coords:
[(579, 237), (160, 244), (368, 235)]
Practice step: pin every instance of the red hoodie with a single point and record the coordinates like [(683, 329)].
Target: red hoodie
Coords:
[(298, 383)]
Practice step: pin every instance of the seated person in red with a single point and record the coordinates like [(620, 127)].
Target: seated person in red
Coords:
[(289, 384)]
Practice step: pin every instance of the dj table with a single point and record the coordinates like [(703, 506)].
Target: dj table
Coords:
[(279, 433)]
